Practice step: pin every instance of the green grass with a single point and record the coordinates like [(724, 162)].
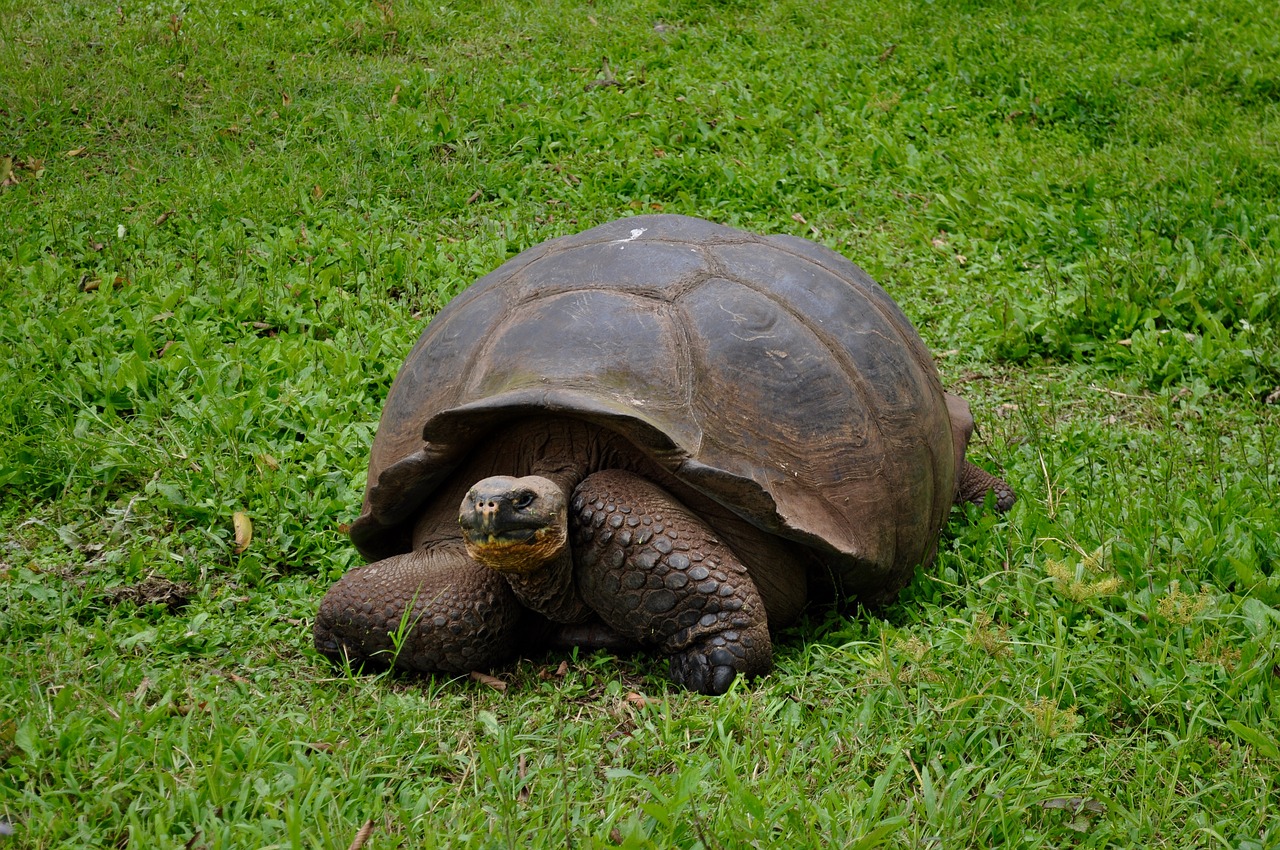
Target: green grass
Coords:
[(230, 220)]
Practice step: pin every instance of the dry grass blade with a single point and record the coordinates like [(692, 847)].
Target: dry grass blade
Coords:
[(522, 770), (362, 836), (485, 679)]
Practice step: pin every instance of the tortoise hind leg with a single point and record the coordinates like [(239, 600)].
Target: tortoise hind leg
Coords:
[(973, 482), (447, 613), (656, 573)]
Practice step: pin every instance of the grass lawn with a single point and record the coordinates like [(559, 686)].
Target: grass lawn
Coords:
[(222, 225)]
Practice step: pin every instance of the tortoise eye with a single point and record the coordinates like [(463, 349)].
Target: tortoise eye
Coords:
[(522, 500)]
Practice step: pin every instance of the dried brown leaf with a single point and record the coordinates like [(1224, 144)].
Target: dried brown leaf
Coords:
[(492, 681), (560, 672), (640, 700), (244, 531)]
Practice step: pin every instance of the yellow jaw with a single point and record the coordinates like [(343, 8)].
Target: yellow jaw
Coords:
[(519, 556)]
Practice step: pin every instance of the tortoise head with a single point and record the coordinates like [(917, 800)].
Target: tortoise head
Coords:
[(514, 525)]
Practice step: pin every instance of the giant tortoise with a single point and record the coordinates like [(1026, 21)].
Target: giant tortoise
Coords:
[(662, 432)]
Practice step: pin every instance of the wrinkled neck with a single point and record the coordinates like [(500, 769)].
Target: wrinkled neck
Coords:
[(551, 591)]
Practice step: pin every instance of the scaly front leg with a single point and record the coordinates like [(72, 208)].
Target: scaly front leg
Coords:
[(656, 573), (448, 614)]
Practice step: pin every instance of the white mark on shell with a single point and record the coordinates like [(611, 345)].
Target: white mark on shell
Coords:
[(635, 234)]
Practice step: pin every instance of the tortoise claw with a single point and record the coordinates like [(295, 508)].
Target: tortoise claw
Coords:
[(704, 673), (710, 665)]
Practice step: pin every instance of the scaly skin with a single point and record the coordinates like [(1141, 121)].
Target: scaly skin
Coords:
[(973, 483), (463, 617), (656, 573)]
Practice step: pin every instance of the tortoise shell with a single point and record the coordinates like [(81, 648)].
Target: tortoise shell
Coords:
[(767, 372)]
